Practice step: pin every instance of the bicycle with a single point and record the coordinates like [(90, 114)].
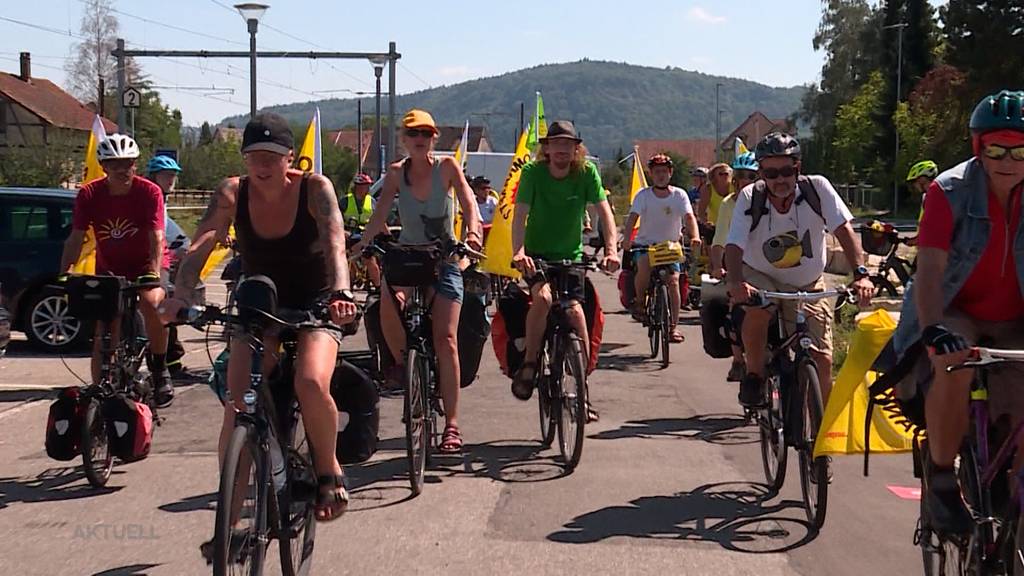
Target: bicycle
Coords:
[(884, 240), (104, 299), (415, 267), (658, 309), (267, 475), (793, 412), (996, 541), (562, 402)]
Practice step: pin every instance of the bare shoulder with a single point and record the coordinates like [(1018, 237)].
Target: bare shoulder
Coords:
[(321, 183), (227, 192)]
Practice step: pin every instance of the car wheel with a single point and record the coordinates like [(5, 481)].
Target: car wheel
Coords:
[(49, 325)]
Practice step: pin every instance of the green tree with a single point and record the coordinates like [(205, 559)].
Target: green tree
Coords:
[(680, 171), (50, 165), (985, 39), (856, 130), (156, 125), (205, 134), (204, 166)]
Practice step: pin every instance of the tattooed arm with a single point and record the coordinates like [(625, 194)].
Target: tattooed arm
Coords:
[(323, 205), (214, 224)]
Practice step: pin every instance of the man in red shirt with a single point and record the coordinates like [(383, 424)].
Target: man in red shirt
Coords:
[(127, 214), (968, 288)]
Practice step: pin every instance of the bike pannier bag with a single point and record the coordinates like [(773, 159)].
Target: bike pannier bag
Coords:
[(129, 427), (64, 425)]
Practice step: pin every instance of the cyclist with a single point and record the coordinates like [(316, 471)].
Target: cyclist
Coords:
[(700, 181), (776, 242), (920, 178), (421, 183), (304, 255), (163, 171), (486, 200), (548, 223), (968, 287), (126, 212), (744, 173), (719, 186), (357, 207), (663, 210)]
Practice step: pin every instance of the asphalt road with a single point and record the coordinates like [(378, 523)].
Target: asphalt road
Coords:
[(669, 483)]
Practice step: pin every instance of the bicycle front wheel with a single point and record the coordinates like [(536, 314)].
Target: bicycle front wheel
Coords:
[(813, 471), (653, 320), (240, 533), (773, 443), (415, 413), (96, 457), (572, 402), (297, 505), (665, 319), (546, 402)]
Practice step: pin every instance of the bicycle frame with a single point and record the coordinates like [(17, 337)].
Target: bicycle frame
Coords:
[(903, 268)]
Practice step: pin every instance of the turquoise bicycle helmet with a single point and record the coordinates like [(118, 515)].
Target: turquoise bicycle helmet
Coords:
[(1002, 111), (745, 161), (161, 163)]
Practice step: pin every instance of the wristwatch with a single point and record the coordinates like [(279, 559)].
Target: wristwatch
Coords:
[(344, 294), (861, 272)]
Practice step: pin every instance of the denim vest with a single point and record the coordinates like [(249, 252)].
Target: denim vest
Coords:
[(966, 188)]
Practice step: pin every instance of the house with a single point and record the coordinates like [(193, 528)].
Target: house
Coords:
[(751, 130), (699, 152), (353, 140), (35, 111)]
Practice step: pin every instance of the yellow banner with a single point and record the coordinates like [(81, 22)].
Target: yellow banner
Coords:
[(93, 171), (310, 159), (460, 159), (499, 240), (842, 428)]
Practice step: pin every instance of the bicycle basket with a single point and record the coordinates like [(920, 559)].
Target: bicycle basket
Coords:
[(878, 239), (665, 253), (408, 266), (95, 298)]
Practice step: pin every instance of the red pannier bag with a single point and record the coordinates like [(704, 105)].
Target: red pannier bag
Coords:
[(129, 427), (64, 425)]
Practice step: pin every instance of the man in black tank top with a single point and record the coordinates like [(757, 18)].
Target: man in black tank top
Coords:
[(304, 255)]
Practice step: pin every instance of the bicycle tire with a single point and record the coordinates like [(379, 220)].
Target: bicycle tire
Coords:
[(1017, 549), (572, 402), (884, 288), (97, 460), (665, 319), (254, 545), (415, 412), (774, 453), (298, 504), (950, 556), (813, 471), (653, 319), (546, 403)]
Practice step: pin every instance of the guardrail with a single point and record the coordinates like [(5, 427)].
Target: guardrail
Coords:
[(189, 199)]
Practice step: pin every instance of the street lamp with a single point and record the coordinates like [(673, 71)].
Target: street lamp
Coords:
[(378, 63), (251, 13), (899, 89), (718, 124)]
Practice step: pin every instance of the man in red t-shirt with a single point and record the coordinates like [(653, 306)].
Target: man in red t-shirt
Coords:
[(126, 213), (988, 306)]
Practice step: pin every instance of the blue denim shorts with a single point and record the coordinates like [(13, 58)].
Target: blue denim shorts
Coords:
[(449, 282), (637, 256)]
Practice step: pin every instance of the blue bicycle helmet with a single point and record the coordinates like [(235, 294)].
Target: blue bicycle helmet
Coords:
[(745, 161), (1002, 111), (161, 163)]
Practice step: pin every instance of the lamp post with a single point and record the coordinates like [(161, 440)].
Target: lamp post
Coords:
[(718, 124), (251, 13), (899, 89), (378, 63)]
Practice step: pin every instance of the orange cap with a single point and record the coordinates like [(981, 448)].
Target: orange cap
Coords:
[(419, 119)]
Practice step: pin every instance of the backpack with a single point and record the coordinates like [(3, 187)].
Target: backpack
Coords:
[(375, 339), (129, 427), (474, 324), (64, 425), (759, 199), (355, 394), (716, 328)]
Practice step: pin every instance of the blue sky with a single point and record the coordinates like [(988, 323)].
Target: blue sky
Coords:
[(441, 42)]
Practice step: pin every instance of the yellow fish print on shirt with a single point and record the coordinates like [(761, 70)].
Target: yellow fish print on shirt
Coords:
[(786, 250)]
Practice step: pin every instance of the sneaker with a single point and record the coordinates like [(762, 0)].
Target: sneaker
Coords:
[(164, 394), (948, 515), (828, 471), (751, 391), (736, 372)]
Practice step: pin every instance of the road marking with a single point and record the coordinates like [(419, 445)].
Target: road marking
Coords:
[(24, 406), (905, 492)]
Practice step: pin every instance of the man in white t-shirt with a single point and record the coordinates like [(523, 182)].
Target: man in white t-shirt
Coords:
[(662, 210), (779, 245), (486, 200)]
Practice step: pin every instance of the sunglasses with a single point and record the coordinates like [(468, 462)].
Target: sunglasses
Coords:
[(773, 173), (998, 152), (119, 164), (421, 132), (745, 175)]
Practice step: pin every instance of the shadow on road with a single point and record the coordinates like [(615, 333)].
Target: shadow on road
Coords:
[(22, 349), (192, 503), (635, 363), (131, 570), (722, 429), (734, 515), (26, 394), (511, 461), (51, 485)]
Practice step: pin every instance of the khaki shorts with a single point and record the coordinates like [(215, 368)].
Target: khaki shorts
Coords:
[(1005, 395), (819, 313)]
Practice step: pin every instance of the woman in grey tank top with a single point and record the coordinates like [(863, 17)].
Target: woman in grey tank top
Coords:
[(421, 183)]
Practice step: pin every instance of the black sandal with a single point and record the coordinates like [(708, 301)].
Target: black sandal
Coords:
[(522, 387), (334, 500)]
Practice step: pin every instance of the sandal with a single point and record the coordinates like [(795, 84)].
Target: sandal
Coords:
[(332, 502), (451, 441), (522, 387), (592, 414), (676, 336)]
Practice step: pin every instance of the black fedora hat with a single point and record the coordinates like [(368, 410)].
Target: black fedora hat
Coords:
[(561, 129)]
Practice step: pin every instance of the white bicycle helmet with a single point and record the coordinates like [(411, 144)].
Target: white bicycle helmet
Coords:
[(117, 146)]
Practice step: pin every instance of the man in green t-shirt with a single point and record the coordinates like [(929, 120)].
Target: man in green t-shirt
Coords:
[(548, 223)]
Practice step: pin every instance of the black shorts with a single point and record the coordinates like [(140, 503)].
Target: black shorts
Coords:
[(573, 282)]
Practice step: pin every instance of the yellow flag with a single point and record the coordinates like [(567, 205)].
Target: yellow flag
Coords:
[(842, 427), (639, 180), (219, 253), (93, 171), (539, 120), (460, 159), (739, 147), (310, 158), (499, 240)]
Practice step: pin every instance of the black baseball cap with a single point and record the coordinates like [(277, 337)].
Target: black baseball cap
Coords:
[(270, 132)]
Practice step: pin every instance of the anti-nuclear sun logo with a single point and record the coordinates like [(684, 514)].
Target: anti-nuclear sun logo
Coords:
[(117, 229)]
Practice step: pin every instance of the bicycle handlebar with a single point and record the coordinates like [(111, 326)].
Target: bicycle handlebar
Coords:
[(451, 247), (200, 316), (981, 356)]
